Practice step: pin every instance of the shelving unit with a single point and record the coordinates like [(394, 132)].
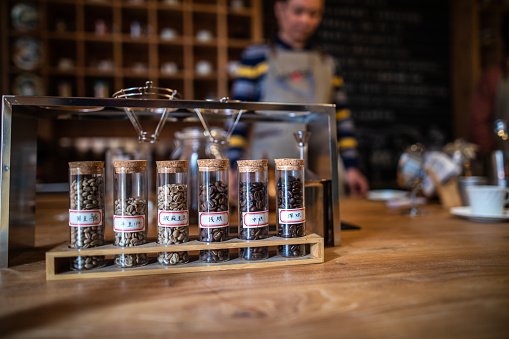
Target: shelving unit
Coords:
[(114, 44)]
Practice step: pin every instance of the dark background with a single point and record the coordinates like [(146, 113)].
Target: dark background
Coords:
[(395, 56)]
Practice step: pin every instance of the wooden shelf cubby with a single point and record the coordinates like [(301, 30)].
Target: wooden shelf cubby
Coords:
[(115, 41)]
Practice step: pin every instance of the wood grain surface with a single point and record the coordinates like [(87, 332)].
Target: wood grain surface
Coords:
[(433, 276)]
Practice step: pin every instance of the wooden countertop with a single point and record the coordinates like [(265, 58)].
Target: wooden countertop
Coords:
[(398, 277)]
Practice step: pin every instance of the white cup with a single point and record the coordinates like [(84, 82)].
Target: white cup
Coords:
[(487, 200)]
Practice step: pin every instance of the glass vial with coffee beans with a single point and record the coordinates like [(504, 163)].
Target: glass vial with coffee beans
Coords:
[(172, 209), (291, 216), (213, 209), (86, 211), (253, 203), (130, 210)]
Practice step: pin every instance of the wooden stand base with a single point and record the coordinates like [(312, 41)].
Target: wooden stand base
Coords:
[(58, 258)]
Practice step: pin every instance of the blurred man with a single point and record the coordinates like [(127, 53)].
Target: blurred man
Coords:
[(292, 70)]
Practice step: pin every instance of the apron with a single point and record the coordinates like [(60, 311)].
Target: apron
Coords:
[(293, 77), (298, 77)]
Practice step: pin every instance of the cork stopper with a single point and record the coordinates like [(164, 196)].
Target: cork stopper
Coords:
[(130, 166), (213, 165), (252, 165), (289, 164), (172, 166), (86, 167)]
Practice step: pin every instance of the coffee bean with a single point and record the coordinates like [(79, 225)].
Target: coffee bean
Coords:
[(289, 251), (216, 194), (173, 258), (172, 197), (214, 255), (254, 253), (289, 193), (130, 260), (291, 230), (290, 196), (214, 234), (172, 235), (85, 237), (213, 198), (252, 198), (130, 207), (87, 263)]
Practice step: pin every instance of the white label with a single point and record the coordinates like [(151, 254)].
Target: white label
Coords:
[(292, 216), (214, 219), (172, 218), (255, 219), (85, 218), (128, 223)]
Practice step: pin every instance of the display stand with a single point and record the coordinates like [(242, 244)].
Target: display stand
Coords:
[(58, 259)]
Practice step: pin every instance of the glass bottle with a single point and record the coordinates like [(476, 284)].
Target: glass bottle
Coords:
[(172, 209), (253, 204), (291, 216), (213, 207), (130, 210), (86, 211), (192, 144)]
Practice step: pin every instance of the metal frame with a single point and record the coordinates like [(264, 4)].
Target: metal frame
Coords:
[(20, 115)]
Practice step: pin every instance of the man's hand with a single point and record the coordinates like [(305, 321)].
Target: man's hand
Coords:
[(356, 181)]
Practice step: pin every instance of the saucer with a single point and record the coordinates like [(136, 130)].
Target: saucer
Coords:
[(466, 212), (386, 194)]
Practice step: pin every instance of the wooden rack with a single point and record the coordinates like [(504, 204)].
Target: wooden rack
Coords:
[(58, 258), (116, 58)]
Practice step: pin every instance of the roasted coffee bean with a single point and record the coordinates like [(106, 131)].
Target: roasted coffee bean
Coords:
[(213, 197), (289, 193), (289, 196), (254, 253), (214, 255), (130, 260), (254, 233), (289, 251), (252, 198), (87, 263), (173, 258), (214, 234), (291, 230)]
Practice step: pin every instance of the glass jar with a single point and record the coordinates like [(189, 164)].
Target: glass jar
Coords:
[(213, 216), (130, 210), (192, 144), (291, 214), (172, 209), (86, 211), (253, 203)]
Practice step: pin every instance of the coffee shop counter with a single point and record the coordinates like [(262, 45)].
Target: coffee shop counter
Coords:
[(432, 276)]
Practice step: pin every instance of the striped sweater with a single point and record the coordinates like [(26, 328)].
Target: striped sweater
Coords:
[(249, 86)]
